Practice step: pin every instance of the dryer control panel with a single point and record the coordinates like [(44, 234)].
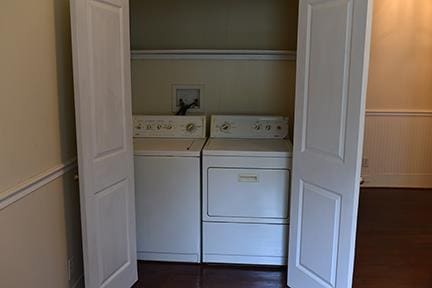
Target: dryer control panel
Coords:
[(249, 127), (169, 126)]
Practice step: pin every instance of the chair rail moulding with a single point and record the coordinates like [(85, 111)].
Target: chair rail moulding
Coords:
[(397, 112), (196, 54), (32, 184)]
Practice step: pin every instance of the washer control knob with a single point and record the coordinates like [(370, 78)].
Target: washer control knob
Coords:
[(190, 127), (225, 127), (268, 127), (257, 127), (159, 126), (168, 127)]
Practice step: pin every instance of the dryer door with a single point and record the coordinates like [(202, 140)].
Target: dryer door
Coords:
[(248, 193)]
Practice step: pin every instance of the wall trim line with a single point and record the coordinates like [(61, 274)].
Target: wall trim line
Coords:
[(34, 183), (406, 113), (418, 180), (207, 54)]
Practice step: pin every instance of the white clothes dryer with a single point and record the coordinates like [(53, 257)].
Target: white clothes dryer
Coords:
[(246, 181), (168, 186)]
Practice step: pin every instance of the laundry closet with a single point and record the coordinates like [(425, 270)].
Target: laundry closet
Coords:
[(236, 61), (234, 68)]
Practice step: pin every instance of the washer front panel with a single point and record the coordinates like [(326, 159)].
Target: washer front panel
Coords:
[(168, 147)]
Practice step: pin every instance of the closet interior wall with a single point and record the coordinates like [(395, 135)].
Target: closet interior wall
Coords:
[(230, 86)]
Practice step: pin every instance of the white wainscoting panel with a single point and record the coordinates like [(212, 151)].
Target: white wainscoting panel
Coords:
[(398, 149)]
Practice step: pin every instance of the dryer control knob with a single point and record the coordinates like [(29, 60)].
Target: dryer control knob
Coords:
[(190, 127), (225, 127)]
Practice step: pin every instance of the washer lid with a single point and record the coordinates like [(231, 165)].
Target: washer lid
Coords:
[(248, 147), (168, 147)]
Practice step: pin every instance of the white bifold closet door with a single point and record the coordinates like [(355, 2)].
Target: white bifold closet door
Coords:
[(101, 59), (332, 69)]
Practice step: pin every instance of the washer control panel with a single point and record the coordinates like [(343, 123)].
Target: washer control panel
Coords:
[(265, 127), (169, 126)]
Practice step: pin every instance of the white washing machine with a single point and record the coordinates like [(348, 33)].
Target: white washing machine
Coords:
[(246, 182), (168, 186)]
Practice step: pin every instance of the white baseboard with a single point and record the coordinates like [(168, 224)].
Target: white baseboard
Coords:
[(398, 181), (170, 257)]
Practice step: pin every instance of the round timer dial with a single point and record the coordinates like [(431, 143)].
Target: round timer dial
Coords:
[(225, 127), (190, 127)]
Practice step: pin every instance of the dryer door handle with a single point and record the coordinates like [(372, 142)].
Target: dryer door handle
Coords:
[(251, 178)]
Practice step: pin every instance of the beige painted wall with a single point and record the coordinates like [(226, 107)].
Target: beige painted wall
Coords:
[(238, 87), (39, 233), (209, 24), (36, 103), (400, 75), (42, 230), (397, 145)]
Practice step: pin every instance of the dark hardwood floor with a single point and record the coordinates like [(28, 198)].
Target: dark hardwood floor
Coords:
[(170, 275), (394, 239), (394, 249)]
